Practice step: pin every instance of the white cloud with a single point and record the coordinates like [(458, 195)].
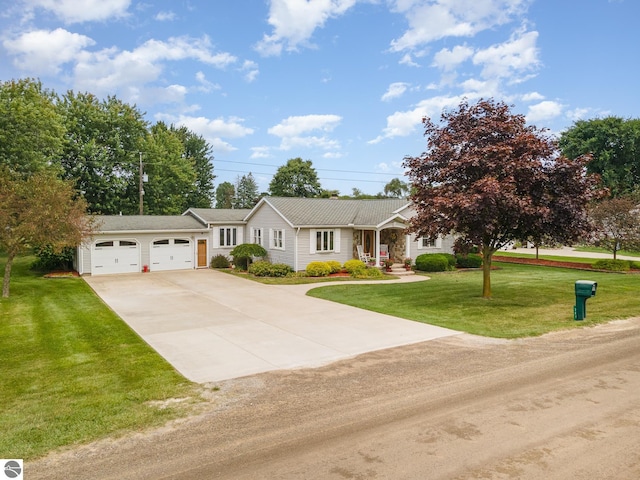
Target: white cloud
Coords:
[(213, 130), (205, 85), (448, 60), (544, 111), (407, 60), (402, 124), (112, 70), (44, 51), (532, 97), (395, 90), (165, 16), (578, 113), (69, 11), (431, 20), (251, 69), (292, 132), (294, 22), (511, 58), (261, 152), (297, 125)]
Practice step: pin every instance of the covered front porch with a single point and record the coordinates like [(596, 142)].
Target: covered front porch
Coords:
[(391, 234)]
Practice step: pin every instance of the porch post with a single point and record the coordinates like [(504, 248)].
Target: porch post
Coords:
[(378, 247), (407, 246)]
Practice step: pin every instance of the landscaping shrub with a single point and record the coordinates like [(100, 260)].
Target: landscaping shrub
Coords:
[(263, 268), (48, 260), (318, 269), (451, 259), (635, 265), (354, 266), (432, 262), (335, 266), (471, 260), (244, 254), (368, 272), (612, 265), (220, 261)]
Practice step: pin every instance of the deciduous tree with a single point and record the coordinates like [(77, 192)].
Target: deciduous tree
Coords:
[(396, 188), (297, 178), (225, 193), (614, 144), (38, 210), (101, 151), (490, 179), (617, 224), (198, 151), (31, 129)]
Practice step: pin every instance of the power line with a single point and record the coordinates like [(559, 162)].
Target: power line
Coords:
[(319, 178), (318, 169)]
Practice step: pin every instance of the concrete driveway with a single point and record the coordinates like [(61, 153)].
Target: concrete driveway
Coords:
[(212, 326)]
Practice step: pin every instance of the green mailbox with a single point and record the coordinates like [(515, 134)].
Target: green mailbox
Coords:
[(584, 289)]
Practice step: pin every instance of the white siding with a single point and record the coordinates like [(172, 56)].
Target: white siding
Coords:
[(267, 219), (343, 239)]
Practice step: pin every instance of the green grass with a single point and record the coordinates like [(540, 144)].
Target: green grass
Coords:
[(608, 252), (72, 371), (526, 300), (542, 256)]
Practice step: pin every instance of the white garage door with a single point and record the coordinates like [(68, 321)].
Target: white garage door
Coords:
[(171, 254), (115, 256)]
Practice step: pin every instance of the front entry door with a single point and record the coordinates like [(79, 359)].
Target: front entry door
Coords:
[(369, 242), (202, 253)]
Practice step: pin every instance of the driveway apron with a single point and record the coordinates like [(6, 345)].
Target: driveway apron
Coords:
[(212, 326)]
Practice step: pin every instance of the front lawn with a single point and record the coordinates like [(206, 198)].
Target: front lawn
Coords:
[(72, 371), (527, 300)]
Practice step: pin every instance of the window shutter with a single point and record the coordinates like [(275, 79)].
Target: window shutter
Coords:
[(270, 238), (438, 241), (283, 244), (312, 241), (336, 240), (419, 240)]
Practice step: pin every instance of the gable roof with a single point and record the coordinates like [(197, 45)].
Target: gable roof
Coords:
[(219, 215), (147, 223), (327, 212)]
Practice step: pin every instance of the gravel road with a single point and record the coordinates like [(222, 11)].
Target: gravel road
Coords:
[(562, 406)]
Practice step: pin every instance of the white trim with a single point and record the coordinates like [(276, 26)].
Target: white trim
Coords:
[(438, 243)]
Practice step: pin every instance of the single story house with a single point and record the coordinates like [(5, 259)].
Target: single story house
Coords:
[(294, 231)]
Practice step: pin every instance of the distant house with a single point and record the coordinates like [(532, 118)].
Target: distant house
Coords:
[(294, 231)]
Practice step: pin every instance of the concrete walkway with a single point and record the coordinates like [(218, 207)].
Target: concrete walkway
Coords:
[(212, 326)]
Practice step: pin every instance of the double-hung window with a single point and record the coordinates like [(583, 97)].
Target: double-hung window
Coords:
[(228, 236), (257, 236), (277, 239), (324, 240), (429, 242)]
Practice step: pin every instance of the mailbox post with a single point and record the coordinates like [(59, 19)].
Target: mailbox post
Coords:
[(584, 289)]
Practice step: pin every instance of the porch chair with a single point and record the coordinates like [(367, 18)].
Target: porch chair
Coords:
[(384, 252), (365, 257)]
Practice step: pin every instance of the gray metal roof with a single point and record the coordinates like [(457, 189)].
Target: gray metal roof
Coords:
[(312, 212), (147, 223), (220, 215)]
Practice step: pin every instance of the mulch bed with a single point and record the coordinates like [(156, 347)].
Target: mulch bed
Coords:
[(551, 263), (62, 275)]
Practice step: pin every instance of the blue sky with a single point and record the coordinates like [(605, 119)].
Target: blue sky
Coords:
[(343, 83)]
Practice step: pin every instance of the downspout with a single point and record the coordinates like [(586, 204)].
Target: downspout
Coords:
[(295, 251)]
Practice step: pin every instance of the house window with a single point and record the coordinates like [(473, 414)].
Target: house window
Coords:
[(324, 240), (257, 236), (278, 239), (426, 242), (228, 236)]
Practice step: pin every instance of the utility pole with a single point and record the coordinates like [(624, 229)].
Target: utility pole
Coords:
[(141, 187)]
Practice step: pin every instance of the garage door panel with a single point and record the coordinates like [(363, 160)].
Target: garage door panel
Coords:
[(115, 256), (171, 254)]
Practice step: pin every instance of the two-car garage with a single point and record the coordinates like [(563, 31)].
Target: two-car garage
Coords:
[(133, 244)]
